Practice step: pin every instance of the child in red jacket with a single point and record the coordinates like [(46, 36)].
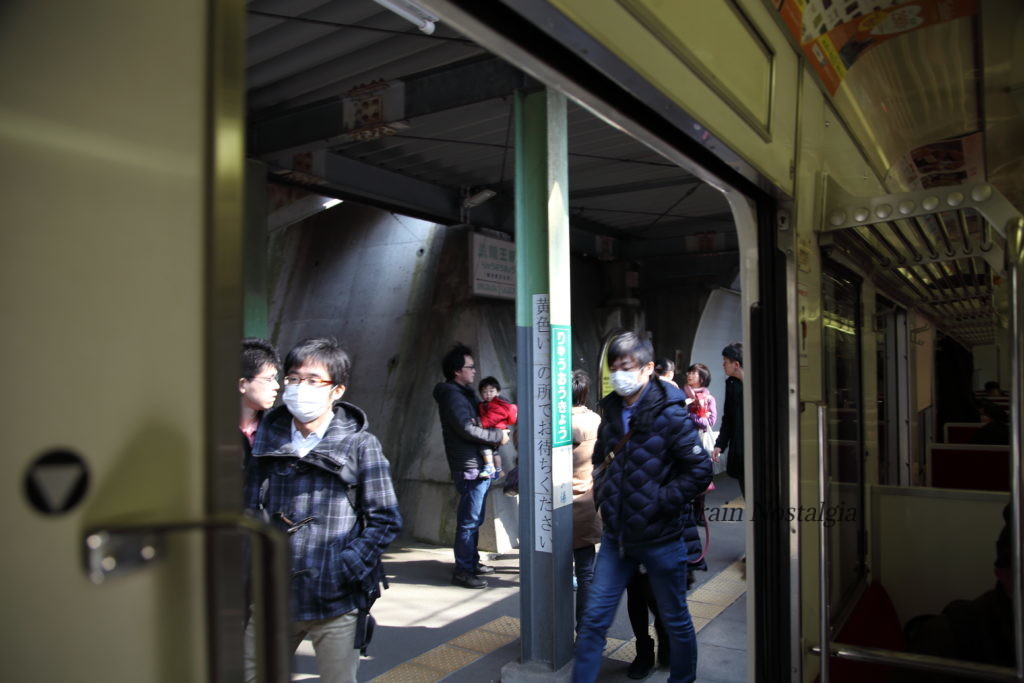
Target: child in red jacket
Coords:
[(495, 413)]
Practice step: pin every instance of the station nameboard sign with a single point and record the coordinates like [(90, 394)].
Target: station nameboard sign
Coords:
[(492, 266)]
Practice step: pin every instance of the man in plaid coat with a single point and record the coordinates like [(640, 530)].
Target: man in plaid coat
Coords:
[(318, 474)]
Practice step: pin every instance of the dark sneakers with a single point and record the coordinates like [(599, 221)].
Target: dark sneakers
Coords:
[(468, 580), (482, 569)]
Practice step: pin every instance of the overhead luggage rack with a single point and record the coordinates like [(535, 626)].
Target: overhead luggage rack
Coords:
[(943, 248)]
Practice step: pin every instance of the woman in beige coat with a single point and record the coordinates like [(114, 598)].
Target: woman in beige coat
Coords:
[(586, 522)]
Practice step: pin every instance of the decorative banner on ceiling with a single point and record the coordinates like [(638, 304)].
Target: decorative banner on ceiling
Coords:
[(833, 34)]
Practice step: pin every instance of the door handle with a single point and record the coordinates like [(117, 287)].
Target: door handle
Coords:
[(115, 549)]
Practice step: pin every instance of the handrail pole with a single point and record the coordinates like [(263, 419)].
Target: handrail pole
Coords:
[(824, 609)]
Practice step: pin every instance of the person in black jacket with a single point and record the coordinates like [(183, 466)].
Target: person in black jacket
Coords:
[(649, 465), (463, 436), (995, 428), (731, 435)]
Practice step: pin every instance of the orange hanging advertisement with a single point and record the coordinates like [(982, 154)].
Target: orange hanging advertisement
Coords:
[(833, 34)]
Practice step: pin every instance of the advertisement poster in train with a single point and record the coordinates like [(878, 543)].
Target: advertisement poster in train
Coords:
[(947, 162), (834, 34)]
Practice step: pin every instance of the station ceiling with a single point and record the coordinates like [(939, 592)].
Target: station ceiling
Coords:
[(347, 99)]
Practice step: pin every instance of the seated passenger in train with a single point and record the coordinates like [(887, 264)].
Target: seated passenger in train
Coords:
[(978, 630), (992, 389), (995, 429)]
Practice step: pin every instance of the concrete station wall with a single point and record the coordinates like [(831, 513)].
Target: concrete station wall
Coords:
[(395, 292)]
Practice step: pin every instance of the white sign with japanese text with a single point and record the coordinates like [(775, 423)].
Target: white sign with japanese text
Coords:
[(492, 266)]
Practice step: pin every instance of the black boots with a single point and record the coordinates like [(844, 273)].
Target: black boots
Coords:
[(644, 662)]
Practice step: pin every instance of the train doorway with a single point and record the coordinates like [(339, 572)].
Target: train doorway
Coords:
[(673, 216)]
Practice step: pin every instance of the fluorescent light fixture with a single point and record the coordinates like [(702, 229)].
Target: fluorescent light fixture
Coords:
[(330, 202), (477, 199), (423, 19)]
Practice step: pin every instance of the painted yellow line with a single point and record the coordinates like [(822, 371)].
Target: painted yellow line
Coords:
[(455, 654), (706, 603)]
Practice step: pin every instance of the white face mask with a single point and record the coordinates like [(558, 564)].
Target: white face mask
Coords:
[(307, 403), (626, 382)]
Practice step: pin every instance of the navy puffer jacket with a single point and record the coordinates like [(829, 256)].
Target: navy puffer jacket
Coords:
[(645, 491)]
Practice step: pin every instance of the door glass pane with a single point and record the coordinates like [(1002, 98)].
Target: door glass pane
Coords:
[(842, 342)]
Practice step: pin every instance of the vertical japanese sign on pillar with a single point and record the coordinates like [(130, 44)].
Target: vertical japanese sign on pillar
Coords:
[(552, 406), (561, 415), (541, 370)]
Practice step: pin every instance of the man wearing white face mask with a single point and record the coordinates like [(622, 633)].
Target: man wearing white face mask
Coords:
[(318, 474), (649, 466)]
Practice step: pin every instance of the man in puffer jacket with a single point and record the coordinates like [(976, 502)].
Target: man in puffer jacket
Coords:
[(649, 465)]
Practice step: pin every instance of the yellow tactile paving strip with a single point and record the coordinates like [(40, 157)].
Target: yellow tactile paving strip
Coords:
[(455, 654), (706, 603)]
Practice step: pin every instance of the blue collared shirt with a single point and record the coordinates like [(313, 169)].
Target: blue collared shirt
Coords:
[(628, 410), (304, 444)]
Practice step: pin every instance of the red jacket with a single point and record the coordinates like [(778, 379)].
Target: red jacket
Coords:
[(497, 413)]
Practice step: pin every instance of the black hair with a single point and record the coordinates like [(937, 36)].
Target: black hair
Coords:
[(734, 352), (992, 385), (489, 382), (702, 372), (323, 350), (631, 345), (580, 387), (663, 366), (257, 353), (454, 360)]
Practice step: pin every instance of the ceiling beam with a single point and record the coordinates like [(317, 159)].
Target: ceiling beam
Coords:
[(626, 188), (382, 108), (337, 176)]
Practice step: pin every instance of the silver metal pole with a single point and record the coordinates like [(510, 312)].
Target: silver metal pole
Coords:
[(1015, 262), (919, 662), (823, 586)]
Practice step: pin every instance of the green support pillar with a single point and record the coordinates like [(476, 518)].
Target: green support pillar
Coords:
[(544, 373)]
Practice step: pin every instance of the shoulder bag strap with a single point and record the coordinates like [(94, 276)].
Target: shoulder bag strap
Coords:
[(611, 454)]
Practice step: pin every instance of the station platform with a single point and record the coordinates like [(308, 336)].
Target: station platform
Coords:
[(429, 630)]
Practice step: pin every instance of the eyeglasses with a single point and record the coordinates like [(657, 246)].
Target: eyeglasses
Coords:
[(289, 380), (266, 380), (469, 367)]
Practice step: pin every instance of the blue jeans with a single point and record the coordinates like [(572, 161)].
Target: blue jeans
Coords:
[(666, 569), (583, 563), (468, 517)]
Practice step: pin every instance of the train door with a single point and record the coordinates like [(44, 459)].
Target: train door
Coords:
[(120, 130)]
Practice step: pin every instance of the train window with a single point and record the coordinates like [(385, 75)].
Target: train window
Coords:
[(842, 345), (892, 390)]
